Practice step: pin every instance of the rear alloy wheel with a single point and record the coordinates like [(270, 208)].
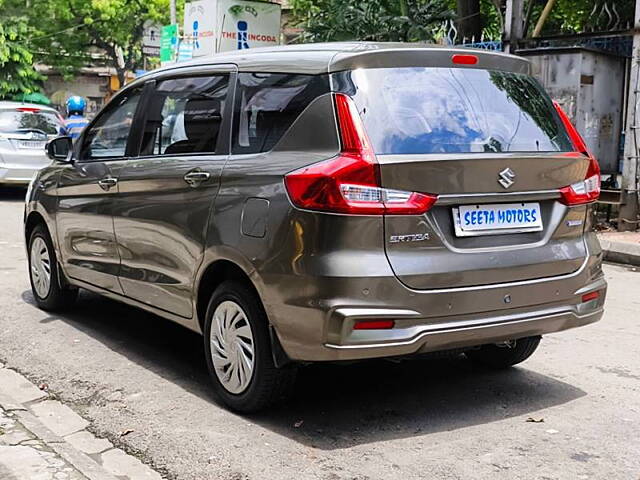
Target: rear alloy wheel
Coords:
[(238, 350), (504, 355), (43, 273), (232, 347)]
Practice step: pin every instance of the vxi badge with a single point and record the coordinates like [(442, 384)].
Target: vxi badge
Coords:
[(413, 237), (507, 177)]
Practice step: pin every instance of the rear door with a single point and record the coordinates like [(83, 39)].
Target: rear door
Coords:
[(492, 147), (166, 193)]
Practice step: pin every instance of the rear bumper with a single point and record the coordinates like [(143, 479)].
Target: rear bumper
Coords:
[(468, 333), (315, 323)]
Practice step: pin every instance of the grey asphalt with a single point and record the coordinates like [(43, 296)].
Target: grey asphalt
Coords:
[(124, 369)]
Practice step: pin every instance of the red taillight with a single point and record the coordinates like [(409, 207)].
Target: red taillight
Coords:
[(350, 182), (464, 59), (587, 297), (587, 190), (374, 324), (28, 109)]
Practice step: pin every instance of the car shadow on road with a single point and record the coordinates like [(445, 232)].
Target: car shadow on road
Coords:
[(333, 406)]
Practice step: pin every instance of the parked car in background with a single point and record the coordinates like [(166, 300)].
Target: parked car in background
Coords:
[(25, 129), (327, 202)]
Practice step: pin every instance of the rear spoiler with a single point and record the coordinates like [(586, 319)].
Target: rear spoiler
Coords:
[(426, 57)]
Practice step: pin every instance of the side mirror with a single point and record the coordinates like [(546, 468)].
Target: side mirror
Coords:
[(59, 149)]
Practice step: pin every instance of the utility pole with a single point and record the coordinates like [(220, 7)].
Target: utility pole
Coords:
[(172, 12), (543, 17), (513, 25), (629, 194)]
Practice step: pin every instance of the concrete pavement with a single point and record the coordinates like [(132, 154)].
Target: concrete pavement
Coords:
[(572, 411), (43, 439), (621, 247)]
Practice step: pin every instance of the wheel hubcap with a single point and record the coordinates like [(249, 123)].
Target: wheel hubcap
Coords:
[(40, 267), (232, 347)]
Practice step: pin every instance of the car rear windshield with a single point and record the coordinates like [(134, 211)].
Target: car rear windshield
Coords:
[(15, 121), (454, 110)]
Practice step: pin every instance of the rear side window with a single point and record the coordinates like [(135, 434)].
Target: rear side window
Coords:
[(454, 110), (267, 104), (184, 115)]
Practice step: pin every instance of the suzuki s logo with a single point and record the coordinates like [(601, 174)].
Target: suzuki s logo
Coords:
[(507, 177)]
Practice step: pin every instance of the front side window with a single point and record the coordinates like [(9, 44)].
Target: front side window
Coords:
[(267, 104), (454, 110), (184, 116), (108, 136)]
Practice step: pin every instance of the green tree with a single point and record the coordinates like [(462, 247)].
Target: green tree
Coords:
[(17, 74), (576, 16), (374, 20), (75, 33)]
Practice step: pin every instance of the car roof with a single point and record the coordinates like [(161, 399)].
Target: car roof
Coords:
[(318, 58), (6, 105)]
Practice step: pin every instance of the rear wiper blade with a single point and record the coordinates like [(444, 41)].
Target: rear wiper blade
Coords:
[(36, 130)]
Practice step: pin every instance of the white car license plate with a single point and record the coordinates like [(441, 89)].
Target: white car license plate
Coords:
[(473, 220), (31, 144)]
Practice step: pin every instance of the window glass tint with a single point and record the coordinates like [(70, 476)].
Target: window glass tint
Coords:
[(107, 137), (185, 116), (267, 104), (45, 121), (455, 110)]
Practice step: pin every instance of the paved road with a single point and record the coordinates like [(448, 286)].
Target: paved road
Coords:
[(125, 369)]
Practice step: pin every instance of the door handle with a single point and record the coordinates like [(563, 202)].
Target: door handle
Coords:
[(107, 182), (196, 177)]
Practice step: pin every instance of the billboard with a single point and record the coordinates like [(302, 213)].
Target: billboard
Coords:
[(222, 25), (246, 24), (200, 26)]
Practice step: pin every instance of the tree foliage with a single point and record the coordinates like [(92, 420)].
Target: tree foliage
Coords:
[(69, 34), (79, 27), (17, 74), (375, 20), (576, 16)]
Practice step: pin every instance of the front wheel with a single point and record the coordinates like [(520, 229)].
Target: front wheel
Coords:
[(238, 350), (504, 355), (43, 273)]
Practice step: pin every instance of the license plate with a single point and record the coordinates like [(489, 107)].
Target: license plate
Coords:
[(473, 220), (30, 144)]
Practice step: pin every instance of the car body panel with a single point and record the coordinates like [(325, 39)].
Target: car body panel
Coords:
[(84, 219), (316, 273)]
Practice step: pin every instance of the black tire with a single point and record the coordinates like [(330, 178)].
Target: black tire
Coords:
[(268, 383), (500, 357), (57, 298)]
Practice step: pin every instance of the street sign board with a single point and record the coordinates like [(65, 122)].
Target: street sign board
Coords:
[(168, 44), (185, 51), (151, 51), (151, 35)]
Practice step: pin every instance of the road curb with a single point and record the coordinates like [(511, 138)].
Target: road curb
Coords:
[(621, 252), (89, 465)]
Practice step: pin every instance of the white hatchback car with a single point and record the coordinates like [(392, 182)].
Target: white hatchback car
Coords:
[(25, 128)]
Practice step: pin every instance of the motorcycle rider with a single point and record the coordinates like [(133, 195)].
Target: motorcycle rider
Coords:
[(76, 121)]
